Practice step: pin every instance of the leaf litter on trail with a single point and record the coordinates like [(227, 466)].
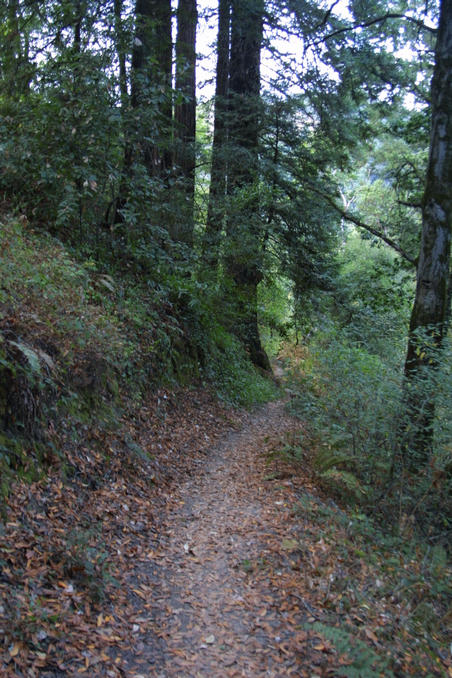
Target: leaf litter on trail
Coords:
[(191, 562), (68, 548)]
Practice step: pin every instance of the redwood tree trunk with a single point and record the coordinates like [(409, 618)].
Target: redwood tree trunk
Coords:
[(217, 190), (429, 314), (151, 80), (147, 125), (244, 228), (120, 44), (185, 118)]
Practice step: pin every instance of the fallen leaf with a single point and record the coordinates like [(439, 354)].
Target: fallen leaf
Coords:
[(14, 650), (289, 544), (371, 635)]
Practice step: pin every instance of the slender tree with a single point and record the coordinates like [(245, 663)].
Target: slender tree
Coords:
[(429, 314), (217, 190), (15, 66), (185, 117), (121, 52), (147, 112), (151, 80), (119, 202), (243, 261)]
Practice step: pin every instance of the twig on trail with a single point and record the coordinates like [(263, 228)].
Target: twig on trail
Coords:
[(306, 605)]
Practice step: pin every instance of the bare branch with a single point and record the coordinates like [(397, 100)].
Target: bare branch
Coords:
[(327, 15)]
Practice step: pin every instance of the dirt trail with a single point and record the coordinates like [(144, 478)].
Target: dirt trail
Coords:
[(220, 607), (222, 556)]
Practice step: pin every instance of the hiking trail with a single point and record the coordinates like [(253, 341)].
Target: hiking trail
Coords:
[(220, 606)]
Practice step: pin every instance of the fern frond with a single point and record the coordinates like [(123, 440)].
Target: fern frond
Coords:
[(364, 662)]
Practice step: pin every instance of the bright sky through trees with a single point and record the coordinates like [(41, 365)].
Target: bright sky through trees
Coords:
[(281, 45)]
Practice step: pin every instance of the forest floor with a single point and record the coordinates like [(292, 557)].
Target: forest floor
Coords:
[(227, 602), (215, 557)]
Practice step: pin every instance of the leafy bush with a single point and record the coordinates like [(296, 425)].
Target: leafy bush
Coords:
[(236, 380), (363, 662), (80, 341), (351, 398), (354, 404), (72, 339), (381, 576)]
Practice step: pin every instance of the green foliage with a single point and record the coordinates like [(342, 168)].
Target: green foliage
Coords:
[(351, 392), (353, 401), (86, 562), (404, 580), (72, 342), (372, 296), (76, 340), (431, 496), (387, 190), (351, 398), (123, 309), (54, 151), (274, 306), (362, 661), (229, 369)]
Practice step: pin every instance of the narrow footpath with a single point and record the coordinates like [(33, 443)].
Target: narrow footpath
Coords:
[(226, 560), (201, 548)]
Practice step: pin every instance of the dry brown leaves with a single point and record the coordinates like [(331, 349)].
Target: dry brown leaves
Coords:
[(69, 544), (192, 564)]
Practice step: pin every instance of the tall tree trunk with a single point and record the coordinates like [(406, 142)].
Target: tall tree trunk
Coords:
[(147, 125), (151, 80), (243, 261), (217, 191), (17, 70), (274, 173), (77, 44), (185, 118), (77, 66), (120, 200), (429, 314)]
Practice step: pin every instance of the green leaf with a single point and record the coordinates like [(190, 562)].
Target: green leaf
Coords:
[(30, 354)]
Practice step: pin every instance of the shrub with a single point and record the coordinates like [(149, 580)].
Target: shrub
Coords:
[(353, 403)]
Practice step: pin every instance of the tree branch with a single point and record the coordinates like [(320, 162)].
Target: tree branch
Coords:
[(327, 15), (376, 20), (355, 220), (416, 205)]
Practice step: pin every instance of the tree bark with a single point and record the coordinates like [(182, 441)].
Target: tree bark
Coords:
[(119, 202), (429, 314), (217, 190), (243, 260), (147, 113), (185, 118), (17, 71), (151, 80)]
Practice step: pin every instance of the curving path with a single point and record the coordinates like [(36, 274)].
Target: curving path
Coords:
[(219, 607)]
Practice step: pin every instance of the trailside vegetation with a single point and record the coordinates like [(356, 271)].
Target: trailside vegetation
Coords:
[(155, 238)]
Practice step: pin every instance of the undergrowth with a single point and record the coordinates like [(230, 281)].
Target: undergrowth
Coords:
[(385, 537), (82, 340), (392, 591), (352, 401)]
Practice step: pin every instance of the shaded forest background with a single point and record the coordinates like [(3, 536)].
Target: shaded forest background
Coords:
[(151, 236), (158, 243)]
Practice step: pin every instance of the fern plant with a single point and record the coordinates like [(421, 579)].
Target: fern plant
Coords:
[(363, 661)]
